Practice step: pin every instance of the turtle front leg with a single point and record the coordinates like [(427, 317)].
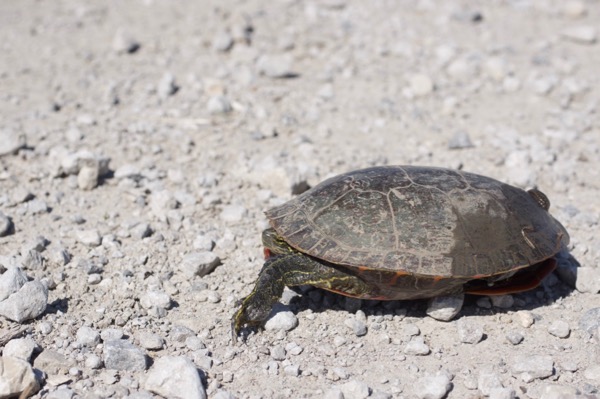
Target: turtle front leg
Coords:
[(291, 270)]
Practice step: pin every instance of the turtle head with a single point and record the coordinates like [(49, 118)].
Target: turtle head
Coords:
[(274, 244)]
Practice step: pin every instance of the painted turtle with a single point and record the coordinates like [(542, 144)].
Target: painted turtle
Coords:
[(406, 232)]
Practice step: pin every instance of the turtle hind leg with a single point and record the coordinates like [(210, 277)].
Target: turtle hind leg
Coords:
[(291, 270)]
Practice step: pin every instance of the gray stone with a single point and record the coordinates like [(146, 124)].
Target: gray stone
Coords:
[(52, 362), (222, 41), (559, 328), (469, 332), (167, 86), (461, 139), (502, 301), (93, 362), (199, 263), (588, 279), (21, 348), (514, 337), (155, 299), (444, 308), (11, 281), (17, 378), (282, 319), (150, 340), (583, 34), (87, 178), (416, 346), (62, 392), (37, 206), (432, 386), (278, 353), (110, 334), (502, 393), (218, 105), (355, 389), (175, 377), (358, 326), (123, 355), (276, 66), (27, 303), (89, 238), (292, 370), (87, 336), (555, 391), (530, 367), (6, 225), (590, 321), (487, 381), (11, 142)]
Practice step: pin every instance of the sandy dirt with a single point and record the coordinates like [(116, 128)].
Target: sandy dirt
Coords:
[(141, 142)]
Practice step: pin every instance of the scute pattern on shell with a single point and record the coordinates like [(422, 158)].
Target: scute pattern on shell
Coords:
[(421, 220)]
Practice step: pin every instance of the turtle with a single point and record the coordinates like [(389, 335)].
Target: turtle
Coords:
[(403, 233)]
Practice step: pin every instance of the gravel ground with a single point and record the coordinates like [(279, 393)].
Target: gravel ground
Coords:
[(141, 142)]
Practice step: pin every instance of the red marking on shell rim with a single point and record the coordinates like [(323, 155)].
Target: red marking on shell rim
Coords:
[(267, 253)]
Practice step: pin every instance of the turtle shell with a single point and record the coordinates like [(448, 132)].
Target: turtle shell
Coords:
[(422, 221)]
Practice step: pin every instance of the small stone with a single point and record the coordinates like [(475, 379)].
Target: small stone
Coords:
[(502, 301), (514, 337), (199, 263), (282, 319), (11, 142), (444, 308), (359, 327), (17, 378), (89, 238), (123, 42), (421, 85), (574, 9), (167, 86), (21, 348), (222, 41), (155, 299), (560, 329), (531, 367), (580, 34), (218, 105), (460, 140), (590, 321), (123, 355), (469, 332), (334, 393), (141, 231), (194, 343), (496, 68), (110, 334), (87, 336), (175, 377), (87, 178), (278, 353), (276, 66), (93, 362), (233, 213), (27, 303), (432, 387), (292, 370), (52, 362), (555, 391), (502, 393), (526, 318), (417, 347), (355, 389), (6, 225), (588, 279), (11, 281), (37, 206)]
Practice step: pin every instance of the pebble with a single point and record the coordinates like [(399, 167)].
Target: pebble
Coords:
[(355, 389), (123, 42), (281, 319), (11, 281), (123, 355), (110, 334), (526, 318), (278, 352), (502, 301), (444, 308), (21, 348), (432, 386), (530, 366), (27, 303), (581, 34), (588, 279), (155, 299), (222, 41), (199, 263), (555, 391), (292, 370), (487, 381), (502, 393), (590, 321), (11, 142), (334, 393), (175, 377), (37, 206), (87, 178), (52, 362), (276, 66), (592, 372), (87, 336), (6, 225), (416, 346), (469, 332), (89, 238), (167, 86), (359, 327), (559, 328), (514, 337), (218, 105), (421, 85), (93, 362), (460, 140), (17, 376), (233, 213)]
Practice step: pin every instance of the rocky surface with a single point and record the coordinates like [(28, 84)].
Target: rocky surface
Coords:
[(141, 142)]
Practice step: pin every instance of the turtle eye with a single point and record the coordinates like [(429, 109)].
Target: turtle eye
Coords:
[(540, 198)]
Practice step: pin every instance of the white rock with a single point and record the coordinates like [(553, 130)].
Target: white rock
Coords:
[(11, 281), (233, 213), (581, 34), (530, 366), (11, 142), (87, 178), (417, 346), (155, 299), (123, 355), (89, 238), (355, 389), (275, 65), (21, 348), (27, 303), (87, 336), (588, 279), (282, 320), (444, 308), (421, 85), (469, 332), (218, 105), (526, 318), (16, 377), (559, 328), (432, 387), (175, 377), (199, 263), (487, 381)]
